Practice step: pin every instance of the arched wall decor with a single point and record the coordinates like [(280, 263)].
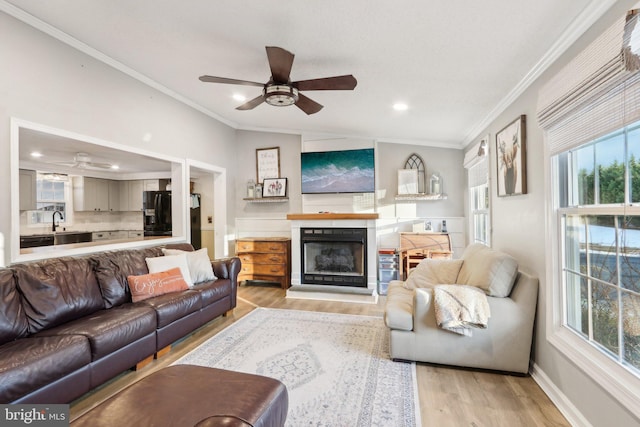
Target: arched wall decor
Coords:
[(414, 161)]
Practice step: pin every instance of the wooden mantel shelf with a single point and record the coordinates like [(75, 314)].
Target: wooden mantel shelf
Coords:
[(331, 215)]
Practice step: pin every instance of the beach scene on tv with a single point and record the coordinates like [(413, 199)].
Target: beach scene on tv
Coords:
[(347, 171)]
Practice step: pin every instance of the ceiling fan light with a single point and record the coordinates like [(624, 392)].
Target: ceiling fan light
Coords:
[(280, 95)]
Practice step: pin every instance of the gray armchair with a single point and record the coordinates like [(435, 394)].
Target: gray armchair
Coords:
[(505, 345)]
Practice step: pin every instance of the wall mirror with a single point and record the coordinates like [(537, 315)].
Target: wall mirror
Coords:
[(73, 194)]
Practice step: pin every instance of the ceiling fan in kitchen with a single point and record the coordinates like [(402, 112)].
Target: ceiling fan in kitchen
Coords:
[(280, 91), (83, 161)]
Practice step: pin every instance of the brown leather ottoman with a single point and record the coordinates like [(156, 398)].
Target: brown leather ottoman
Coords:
[(187, 395)]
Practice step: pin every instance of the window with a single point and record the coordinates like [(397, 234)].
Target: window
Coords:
[(50, 197), (478, 183), (601, 245), (589, 112)]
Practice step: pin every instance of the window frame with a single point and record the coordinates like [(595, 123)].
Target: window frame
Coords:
[(473, 212), (617, 380), (66, 219)]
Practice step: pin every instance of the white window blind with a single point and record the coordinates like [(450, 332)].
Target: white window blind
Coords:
[(478, 173), (597, 92)]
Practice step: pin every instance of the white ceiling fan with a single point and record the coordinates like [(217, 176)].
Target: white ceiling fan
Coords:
[(83, 161)]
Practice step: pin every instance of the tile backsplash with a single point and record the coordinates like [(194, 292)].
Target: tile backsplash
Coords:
[(88, 221)]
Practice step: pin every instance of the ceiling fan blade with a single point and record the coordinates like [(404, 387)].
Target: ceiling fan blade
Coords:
[(307, 105), (100, 165), (347, 82), (280, 61), (213, 79), (251, 104)]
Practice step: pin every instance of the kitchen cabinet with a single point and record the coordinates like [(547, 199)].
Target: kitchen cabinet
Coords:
[(27, 190), (114, 235), (109, 235), (130, 195), (99, 235), (114, 196), (135, 195), (156, 184), (90, 194)]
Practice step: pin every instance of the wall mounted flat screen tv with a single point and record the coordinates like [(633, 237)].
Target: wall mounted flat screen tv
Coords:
[(346, 171)]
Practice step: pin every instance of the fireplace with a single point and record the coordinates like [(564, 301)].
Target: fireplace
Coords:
[(334, 256)]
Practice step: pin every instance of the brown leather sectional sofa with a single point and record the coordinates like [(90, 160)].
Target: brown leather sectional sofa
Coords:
[(68, 325)]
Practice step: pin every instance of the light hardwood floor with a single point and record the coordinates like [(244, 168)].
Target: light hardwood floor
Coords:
[(448, 396)]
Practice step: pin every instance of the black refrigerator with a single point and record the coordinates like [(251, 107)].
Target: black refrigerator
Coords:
[(196, 229), (157, 213)]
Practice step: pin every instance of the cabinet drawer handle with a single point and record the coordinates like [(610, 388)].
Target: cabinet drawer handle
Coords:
[(274, 248), (275, 270), (274, 258)]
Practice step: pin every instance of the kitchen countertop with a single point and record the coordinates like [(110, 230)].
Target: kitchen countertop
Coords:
[(73, 232), (56, 248)]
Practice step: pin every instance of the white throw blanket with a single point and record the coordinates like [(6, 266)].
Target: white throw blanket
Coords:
[(460, 308)]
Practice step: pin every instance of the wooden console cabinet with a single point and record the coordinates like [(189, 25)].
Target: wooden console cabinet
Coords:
[(265, 258)]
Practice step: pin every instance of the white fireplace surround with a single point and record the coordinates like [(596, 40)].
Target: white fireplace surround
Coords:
[(323, 291)]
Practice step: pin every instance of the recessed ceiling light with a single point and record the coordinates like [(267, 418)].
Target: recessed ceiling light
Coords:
[(115, 167), (239, 97), (400, 106), (36, 154)]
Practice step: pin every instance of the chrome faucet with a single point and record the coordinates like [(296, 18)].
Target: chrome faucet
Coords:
[(53, 227)]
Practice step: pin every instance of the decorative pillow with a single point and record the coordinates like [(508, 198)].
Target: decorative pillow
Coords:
[(431, 272), (198, 262), (164, 263), (154, 284), (493, 271)]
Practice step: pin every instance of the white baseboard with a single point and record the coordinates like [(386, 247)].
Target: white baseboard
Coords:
[(564, 405)]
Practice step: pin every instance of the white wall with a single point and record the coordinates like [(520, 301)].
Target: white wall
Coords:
[(47, 82), (269, 219), (519, 229)]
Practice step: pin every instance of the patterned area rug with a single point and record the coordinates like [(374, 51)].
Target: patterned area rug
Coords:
[(336, 367)]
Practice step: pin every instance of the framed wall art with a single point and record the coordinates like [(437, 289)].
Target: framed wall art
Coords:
[(511, 158), (274, 187), (267, 163)]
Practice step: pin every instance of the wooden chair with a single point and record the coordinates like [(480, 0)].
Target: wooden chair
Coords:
[(414, 247)]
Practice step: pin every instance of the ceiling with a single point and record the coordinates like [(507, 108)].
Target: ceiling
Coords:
[(59, 153), (455, 63)]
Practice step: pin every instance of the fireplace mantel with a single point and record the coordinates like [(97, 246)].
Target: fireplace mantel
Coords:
[(330, 216)]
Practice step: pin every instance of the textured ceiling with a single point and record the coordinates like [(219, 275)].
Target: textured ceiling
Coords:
[(452, 61)]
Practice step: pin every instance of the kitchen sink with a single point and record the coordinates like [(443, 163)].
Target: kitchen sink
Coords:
[(68, 237)]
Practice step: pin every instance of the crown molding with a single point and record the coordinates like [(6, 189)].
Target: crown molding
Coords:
[(579, 25), (594, 11), (52, 31)]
